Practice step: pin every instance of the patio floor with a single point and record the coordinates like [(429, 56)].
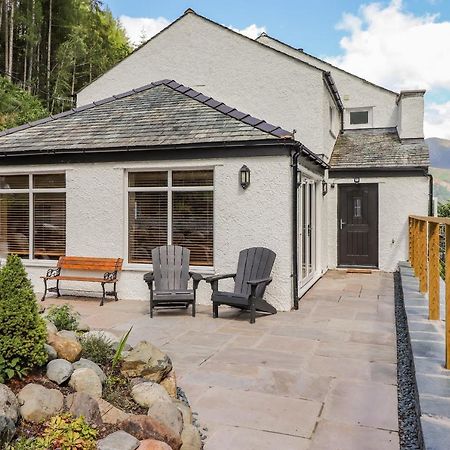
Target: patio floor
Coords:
[(322, 377)]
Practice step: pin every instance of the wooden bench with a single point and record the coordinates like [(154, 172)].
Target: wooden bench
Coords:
[(110, 266)]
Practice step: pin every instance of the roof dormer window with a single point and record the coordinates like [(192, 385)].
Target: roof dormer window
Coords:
[(358, 117)]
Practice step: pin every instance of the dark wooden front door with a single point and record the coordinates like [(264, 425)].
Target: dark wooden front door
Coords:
[(358, 225)]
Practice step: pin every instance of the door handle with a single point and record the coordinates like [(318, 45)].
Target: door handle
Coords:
[(341, 224)]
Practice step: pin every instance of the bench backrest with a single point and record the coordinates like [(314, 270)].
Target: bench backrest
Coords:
[(91, 264), (170, 267)]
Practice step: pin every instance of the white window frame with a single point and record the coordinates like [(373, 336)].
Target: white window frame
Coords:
[(31, 191), (369, 123), (170, 189)]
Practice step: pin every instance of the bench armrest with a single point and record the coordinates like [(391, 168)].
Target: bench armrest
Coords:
[(53, 272), (196, 278), (110, 276)]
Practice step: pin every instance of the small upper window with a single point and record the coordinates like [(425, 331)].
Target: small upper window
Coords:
[(359, 117)]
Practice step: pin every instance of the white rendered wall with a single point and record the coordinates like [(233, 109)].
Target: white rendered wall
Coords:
[(230, 68), (258, 216), (398, 197), (354, 91)]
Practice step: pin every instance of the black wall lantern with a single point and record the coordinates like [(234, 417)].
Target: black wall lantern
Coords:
[(324, 188), (244, 176)]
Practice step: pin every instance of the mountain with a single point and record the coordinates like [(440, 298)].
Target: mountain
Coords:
[(439, 152), (440, 167)]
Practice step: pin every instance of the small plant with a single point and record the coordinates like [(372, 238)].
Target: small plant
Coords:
[(65, 432), (23, 333), (97, 349), (118, 355), (22, 444), (63, 317), (117, 391)]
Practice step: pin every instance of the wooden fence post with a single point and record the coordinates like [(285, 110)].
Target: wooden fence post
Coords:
[(433, 271), (447, 296), (423, 257)]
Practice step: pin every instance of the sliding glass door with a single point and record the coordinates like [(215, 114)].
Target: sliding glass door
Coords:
[(307, 230)]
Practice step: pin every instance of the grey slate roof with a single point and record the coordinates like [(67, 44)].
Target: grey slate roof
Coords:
[(377, 148), (164, 113)]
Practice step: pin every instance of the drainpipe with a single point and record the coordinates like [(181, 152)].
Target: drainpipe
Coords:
[(295, 184), (430, 193)]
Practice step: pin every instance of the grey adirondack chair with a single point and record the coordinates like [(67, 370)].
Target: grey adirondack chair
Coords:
[(168, 283), (250, 281)]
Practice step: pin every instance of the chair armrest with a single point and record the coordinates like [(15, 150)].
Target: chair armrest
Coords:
[(196, 278), (255, 283), (149, 277), (219, 277), (262, 280)]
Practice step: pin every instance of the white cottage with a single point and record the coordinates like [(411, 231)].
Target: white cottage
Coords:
[(142, 163)]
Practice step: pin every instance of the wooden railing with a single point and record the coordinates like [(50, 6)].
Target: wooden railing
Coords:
[(426, 234)]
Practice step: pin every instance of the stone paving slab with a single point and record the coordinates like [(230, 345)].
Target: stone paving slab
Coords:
[(322, 377), (428, 346)]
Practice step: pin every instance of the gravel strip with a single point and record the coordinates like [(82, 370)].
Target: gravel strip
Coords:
[(410, 430)]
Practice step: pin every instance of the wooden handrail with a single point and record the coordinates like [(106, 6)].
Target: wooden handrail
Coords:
[(424, 259)]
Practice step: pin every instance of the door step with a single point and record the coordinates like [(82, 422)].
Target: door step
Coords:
[(368, 271)]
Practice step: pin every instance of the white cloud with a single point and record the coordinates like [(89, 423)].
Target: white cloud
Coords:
[(437, 120), (399, 50), (252, 31), (138, 28)]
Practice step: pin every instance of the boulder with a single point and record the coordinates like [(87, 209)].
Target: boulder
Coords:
[(145, 394), (152, 444), (83, 326), (59, 370), (105, 335), (86, 380), (51, 352), (110, 414), (191, 439), (38, 403), (51, 327), (146, 361), (87, 363), (146, 427), (65, 348), (68, 335), (168, 414), (185, 410), (120, 440), (9, 406), (169, 383), (82, 404), (7, 431)]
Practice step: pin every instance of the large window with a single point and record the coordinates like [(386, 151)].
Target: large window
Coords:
[(170, 207), (33, 215)]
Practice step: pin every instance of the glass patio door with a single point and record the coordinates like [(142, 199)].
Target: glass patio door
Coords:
[(307, 231)]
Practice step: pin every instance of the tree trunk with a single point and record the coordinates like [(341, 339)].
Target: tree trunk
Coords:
[(32, 46), (11, 40), (5, 29), (49, 50)]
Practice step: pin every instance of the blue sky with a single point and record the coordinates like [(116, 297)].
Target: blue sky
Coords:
[(399, 44)]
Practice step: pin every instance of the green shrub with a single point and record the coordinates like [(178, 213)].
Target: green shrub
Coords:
[(64, 432), (23, 332), (22, 444), (64, 317), (97, 349)]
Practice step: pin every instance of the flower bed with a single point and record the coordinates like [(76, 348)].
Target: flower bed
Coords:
[(93, 391)]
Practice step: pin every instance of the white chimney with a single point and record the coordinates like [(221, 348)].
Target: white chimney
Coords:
[(410, 114)]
